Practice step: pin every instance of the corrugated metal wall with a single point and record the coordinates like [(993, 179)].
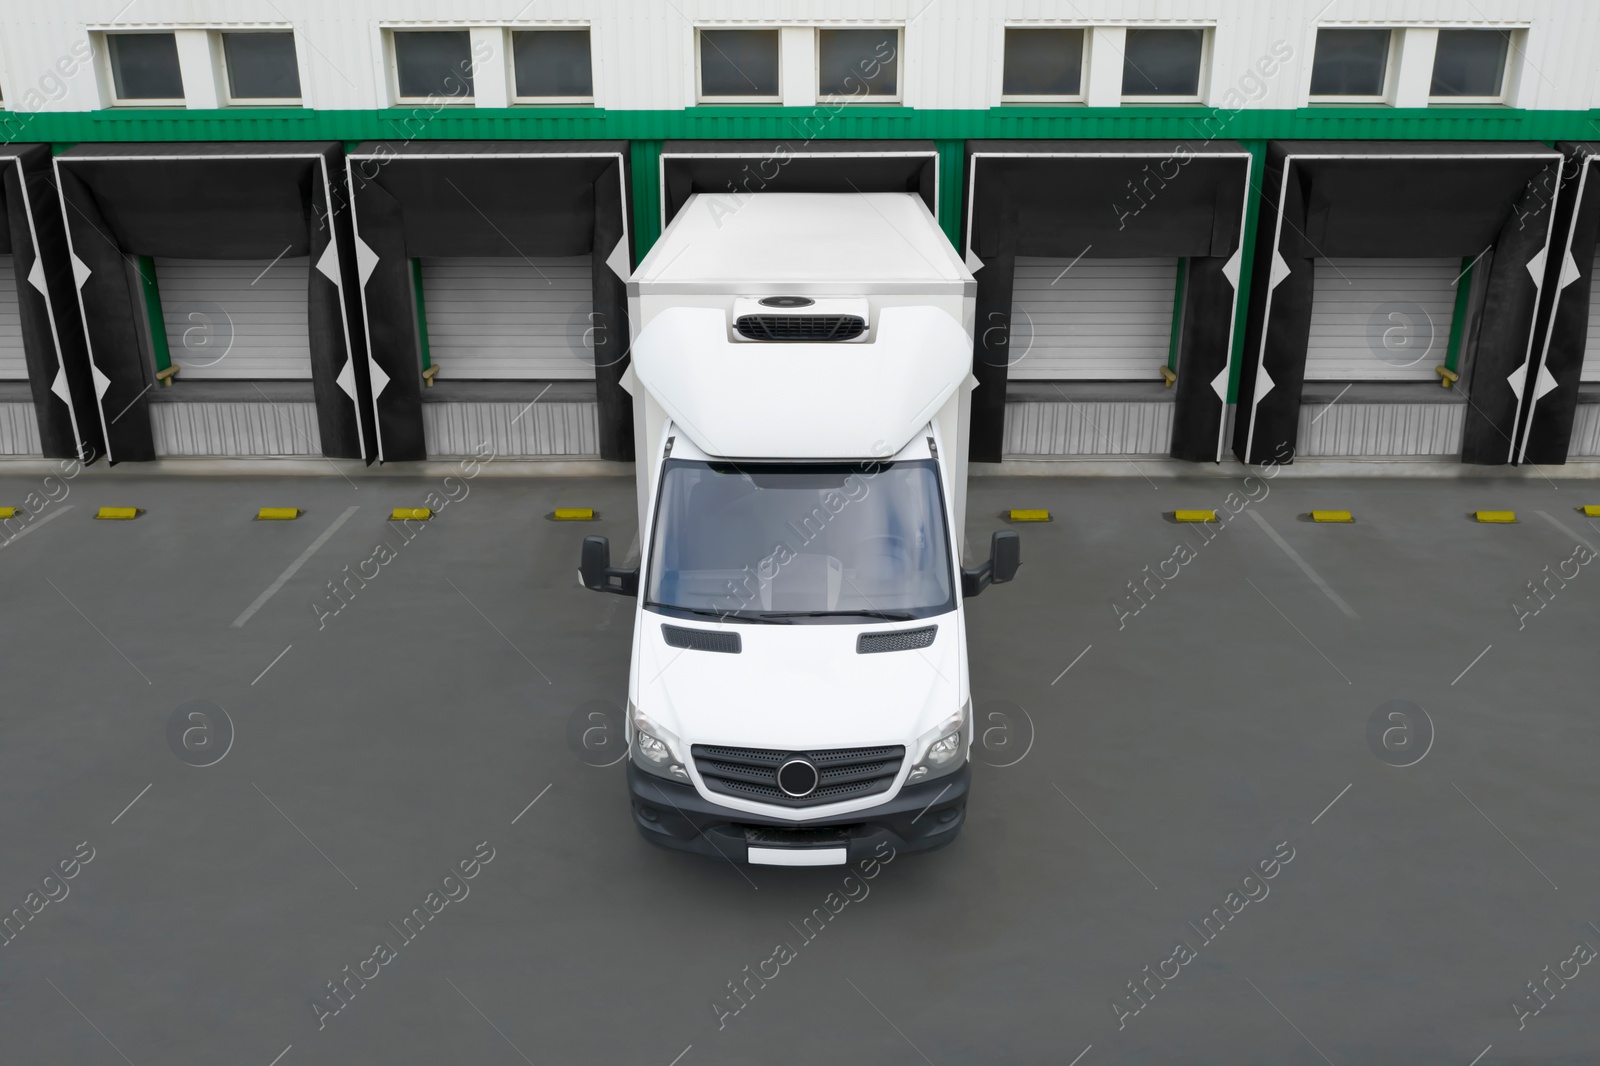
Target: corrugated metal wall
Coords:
[(19, 430), (1586, 431), (1088, 428), (13, 362), (512, 430), (1380, 429), (235, 429)]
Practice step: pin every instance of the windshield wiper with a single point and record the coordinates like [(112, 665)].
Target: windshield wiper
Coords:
[(887, 616), (706, 612)]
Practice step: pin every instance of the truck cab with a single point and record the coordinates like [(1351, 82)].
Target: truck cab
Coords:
[(798, 690)]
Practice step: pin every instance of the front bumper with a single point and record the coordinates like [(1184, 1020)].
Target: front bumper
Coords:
[(918, 818)]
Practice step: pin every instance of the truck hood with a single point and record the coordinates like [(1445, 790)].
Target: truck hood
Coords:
[(799, 687)]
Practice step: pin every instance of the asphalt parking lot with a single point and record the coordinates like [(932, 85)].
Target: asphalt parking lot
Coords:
[(1139, 773)]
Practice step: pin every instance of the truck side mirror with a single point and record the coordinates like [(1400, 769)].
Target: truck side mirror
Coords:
[(1005, 555), (596, 572)]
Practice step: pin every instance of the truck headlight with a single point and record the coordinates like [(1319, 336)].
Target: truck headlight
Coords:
[(942, 749), (654, 748)]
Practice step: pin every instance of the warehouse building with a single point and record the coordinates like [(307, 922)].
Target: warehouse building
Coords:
[(1209, 230)]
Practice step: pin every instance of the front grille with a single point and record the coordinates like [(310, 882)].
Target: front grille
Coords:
[(899, 640), (701, 639), (845, 773), (799, 837), (800, 327)]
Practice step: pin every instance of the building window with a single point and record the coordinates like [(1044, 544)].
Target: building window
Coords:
[(1470, 65), (552, 65), (432, 63), (739, 66), (261, 67), (1163, 64), (1351, 64), (144, 68), (1043, 64), (859, 63)]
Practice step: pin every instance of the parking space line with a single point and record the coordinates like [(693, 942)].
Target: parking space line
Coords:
[(1548, 517), (1305, 567), (281, 1054), (294, 568), (681, 1054), (35, 525), (1081, 1054), (1481, 1054)]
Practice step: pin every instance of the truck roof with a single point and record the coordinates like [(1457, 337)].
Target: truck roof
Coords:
[(839, 241)]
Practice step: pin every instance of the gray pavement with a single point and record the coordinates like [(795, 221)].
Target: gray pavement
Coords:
[(1437, 861)]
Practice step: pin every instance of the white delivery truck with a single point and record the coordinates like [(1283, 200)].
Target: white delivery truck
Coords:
[(801, 376)]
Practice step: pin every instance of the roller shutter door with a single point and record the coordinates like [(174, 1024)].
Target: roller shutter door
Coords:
[(1093, 319), (1591, 351), (13, 366), (1381, 319), (236, 318), (507, 318)]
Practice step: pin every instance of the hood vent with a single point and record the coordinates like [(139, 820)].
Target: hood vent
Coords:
[(899, 640), (701, 639), (800, 327)]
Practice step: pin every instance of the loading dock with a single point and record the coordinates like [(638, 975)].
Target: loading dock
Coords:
[(1564, 406), (492, 283), (44, 382), (254, 354), (1348, 304), (1108, 277)]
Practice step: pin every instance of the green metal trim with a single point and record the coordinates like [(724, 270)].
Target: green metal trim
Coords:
[(644, 161), (422, 313), (1177, 313), (1241, 307), (1458, 317), (844, 122), (159, 347)]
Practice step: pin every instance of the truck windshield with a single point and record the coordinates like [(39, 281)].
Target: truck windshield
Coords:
[(800, 543)]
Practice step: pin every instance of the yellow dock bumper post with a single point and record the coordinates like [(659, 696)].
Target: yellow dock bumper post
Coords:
[(119, 513), (1495, 517)]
